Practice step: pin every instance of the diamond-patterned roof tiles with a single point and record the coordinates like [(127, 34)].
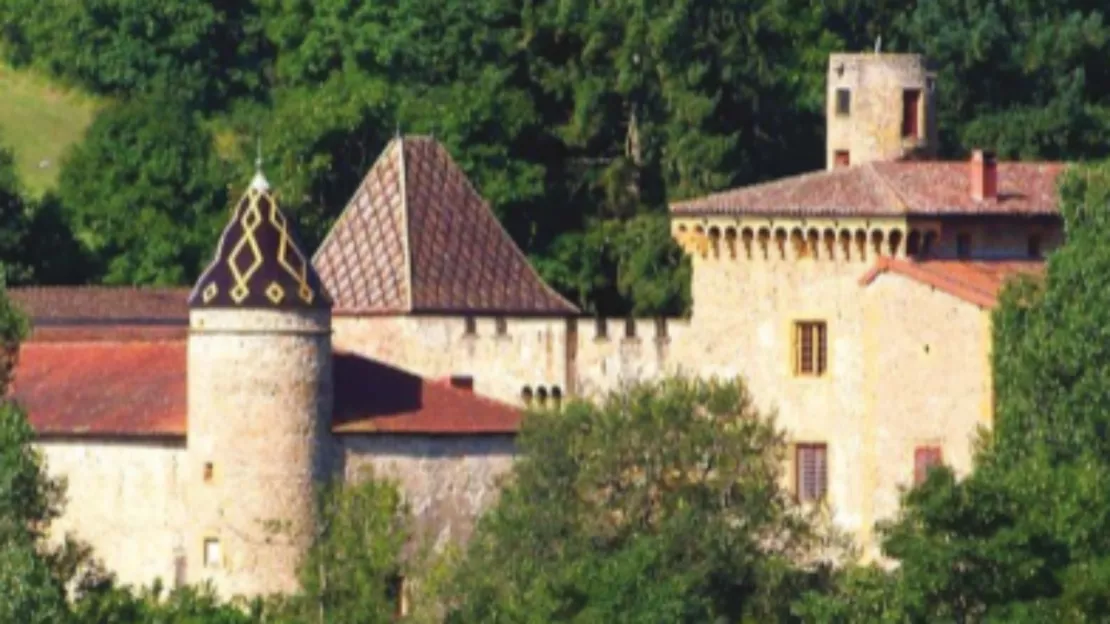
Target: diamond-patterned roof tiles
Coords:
[(417, 237)]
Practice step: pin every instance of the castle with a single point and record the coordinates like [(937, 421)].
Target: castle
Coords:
[(855, 301)]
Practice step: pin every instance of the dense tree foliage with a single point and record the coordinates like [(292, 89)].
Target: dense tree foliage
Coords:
[(146, 193), (662, 503), (577, 120)]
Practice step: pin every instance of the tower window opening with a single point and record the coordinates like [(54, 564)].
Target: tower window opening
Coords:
[(843, 102), (629, 328), (911, 109), (601, 328), (209, 471), (501, 325), (471, 327), (841, 158)]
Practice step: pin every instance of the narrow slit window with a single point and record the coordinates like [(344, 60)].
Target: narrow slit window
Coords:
[(602, 328), (811, 472), (963, 246), (501, 325), (209, 471), (471, 326), (1033, 249), (212, 552), (843, 102), (810, 348), (925, 458)]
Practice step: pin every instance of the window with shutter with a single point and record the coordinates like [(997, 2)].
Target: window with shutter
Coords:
[(925, 458), (811, 472), (810, 348)]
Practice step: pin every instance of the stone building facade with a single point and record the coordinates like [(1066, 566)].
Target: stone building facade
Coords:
[(854, 301)]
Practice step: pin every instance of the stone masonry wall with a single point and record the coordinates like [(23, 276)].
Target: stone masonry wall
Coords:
[(873, 128), (260, 399), (929, 380), (447, 481), (125, 498), (531, 352)]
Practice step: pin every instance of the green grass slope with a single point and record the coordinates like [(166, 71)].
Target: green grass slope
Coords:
[(38, 121)]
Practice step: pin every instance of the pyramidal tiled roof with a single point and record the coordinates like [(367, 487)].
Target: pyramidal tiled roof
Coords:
[(259, 262), (417, 237)]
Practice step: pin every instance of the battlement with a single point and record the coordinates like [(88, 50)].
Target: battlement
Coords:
[(810, 239)]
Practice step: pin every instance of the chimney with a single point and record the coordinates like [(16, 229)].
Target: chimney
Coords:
[(984, 175), (462, 382)]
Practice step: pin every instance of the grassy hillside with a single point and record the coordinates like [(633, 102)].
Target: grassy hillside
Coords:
[(38, 120)]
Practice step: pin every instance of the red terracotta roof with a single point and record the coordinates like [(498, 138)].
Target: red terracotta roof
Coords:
[(889, 188), (417, 237), (119, 305), (371, 397), (90, 313), (974, 281), (103, 388), (138, 389)]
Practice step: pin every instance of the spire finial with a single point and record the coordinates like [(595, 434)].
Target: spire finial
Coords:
[(259, 182)]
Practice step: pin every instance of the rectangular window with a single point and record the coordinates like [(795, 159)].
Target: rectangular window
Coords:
[(208, 472), (925, 458), (471, 326), (841, 158), (963, 246), (502, 326), (629, 328), (811, 472), (1033, 249), (810, 348), (911, 106), (843, 102), (211, 552)]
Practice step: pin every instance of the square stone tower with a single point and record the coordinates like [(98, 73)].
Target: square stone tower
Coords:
[(879, 107)]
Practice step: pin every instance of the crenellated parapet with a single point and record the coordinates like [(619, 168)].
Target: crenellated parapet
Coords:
[(854, 239)]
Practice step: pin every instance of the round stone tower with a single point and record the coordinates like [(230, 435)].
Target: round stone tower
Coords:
[(879, 107), (260, 400)]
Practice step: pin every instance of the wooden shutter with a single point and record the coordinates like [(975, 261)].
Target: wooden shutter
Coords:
[(812, 471), (822, 350), (924, 459), (911, 104)]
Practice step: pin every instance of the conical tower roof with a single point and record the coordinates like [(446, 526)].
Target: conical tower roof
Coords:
[(417, 237), (259, 262)]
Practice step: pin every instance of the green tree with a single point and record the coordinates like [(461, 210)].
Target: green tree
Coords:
[(203, 52), (145, 193), (352, 571), (661, 503)]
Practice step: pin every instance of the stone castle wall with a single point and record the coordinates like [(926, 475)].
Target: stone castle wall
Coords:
[(260, 398), (447, 481), (126, 499)]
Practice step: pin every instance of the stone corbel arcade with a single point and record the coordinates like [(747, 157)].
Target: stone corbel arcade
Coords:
[(814, 238)]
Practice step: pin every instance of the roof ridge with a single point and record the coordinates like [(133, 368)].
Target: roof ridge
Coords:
[(406, 222), (900, 201)]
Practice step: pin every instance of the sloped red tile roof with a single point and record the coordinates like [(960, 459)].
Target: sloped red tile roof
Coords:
[(974, 281), (372, 397), (90, 313), (417, 237), (75, 304), (103, 388), (138, 389), (913, 188)]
